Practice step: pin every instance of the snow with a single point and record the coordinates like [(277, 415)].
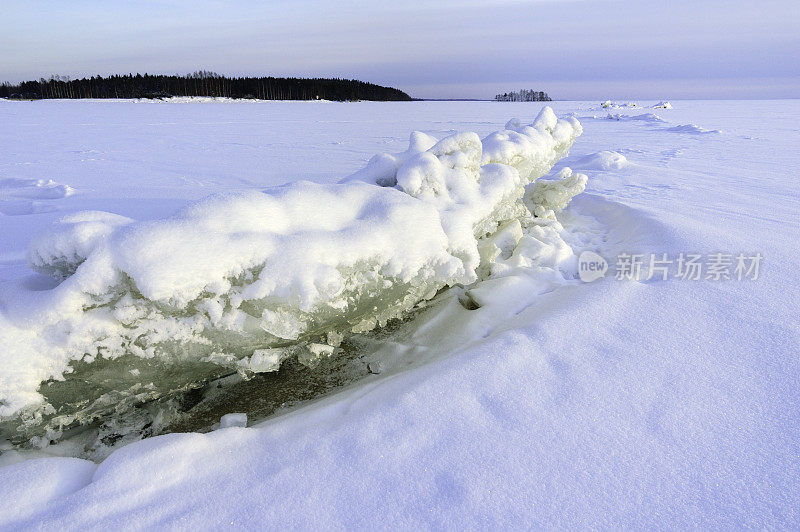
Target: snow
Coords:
[(646, 117), (68, 243), (214, 100), (693, 129), (261, 268), (555, 194), (195, 99), (608, 104), (18, 196), (29, 486), (233, 420), (602, 160), (528, 398)]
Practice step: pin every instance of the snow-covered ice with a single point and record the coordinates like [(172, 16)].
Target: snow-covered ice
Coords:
[(608, 104), (196, 292), (526, 397)]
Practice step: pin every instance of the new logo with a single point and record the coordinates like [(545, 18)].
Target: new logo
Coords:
[(591, 266)]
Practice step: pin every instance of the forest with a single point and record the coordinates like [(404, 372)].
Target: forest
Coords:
[(523, 96), (201, 83)]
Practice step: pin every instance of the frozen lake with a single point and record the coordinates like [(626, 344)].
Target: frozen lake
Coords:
[(640, 402)]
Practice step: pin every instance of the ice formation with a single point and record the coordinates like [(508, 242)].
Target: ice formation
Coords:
[(239, 282), (608, 104), (555, 194), (233, 420), (602, 160), (59, 252)]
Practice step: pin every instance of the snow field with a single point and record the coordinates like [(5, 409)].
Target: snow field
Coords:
[(551, 402)]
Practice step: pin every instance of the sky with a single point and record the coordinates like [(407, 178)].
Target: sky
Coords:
[(572, 49)]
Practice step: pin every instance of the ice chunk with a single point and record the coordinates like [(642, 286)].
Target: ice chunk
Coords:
[(313, 354), (555, 194), (525, 147), (608, 104), (499, 245), (62, 249), (237, 282), (382, 168), (264, 360), (233, 420)]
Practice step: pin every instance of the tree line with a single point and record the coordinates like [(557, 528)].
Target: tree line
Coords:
[(201, 83), (523, 96)]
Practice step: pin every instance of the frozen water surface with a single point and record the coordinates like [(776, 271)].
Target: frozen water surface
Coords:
[(518, 395)]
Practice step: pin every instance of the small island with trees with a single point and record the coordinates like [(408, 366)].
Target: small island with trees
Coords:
[(201, 83), (523, 96)]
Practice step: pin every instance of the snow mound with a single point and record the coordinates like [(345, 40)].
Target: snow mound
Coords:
[(34, 188), (29, 486), (239, 282), (602, 160), (693, 129), (608, 104), (22, 196), (663, 105), (645, 117)]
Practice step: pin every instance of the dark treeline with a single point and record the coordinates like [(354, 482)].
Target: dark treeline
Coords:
[(523, 96), (201, 84)]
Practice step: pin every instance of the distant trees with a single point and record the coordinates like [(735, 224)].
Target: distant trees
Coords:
[(523, 96), (202, 83)]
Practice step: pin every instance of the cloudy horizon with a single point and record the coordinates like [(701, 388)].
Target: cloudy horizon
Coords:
[(572, 49)]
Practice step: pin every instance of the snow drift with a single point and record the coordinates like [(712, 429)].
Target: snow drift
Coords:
[(602, 160), (693, 129), (242, 281)]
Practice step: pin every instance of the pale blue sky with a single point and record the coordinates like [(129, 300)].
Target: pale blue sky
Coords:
[(573, 49)]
